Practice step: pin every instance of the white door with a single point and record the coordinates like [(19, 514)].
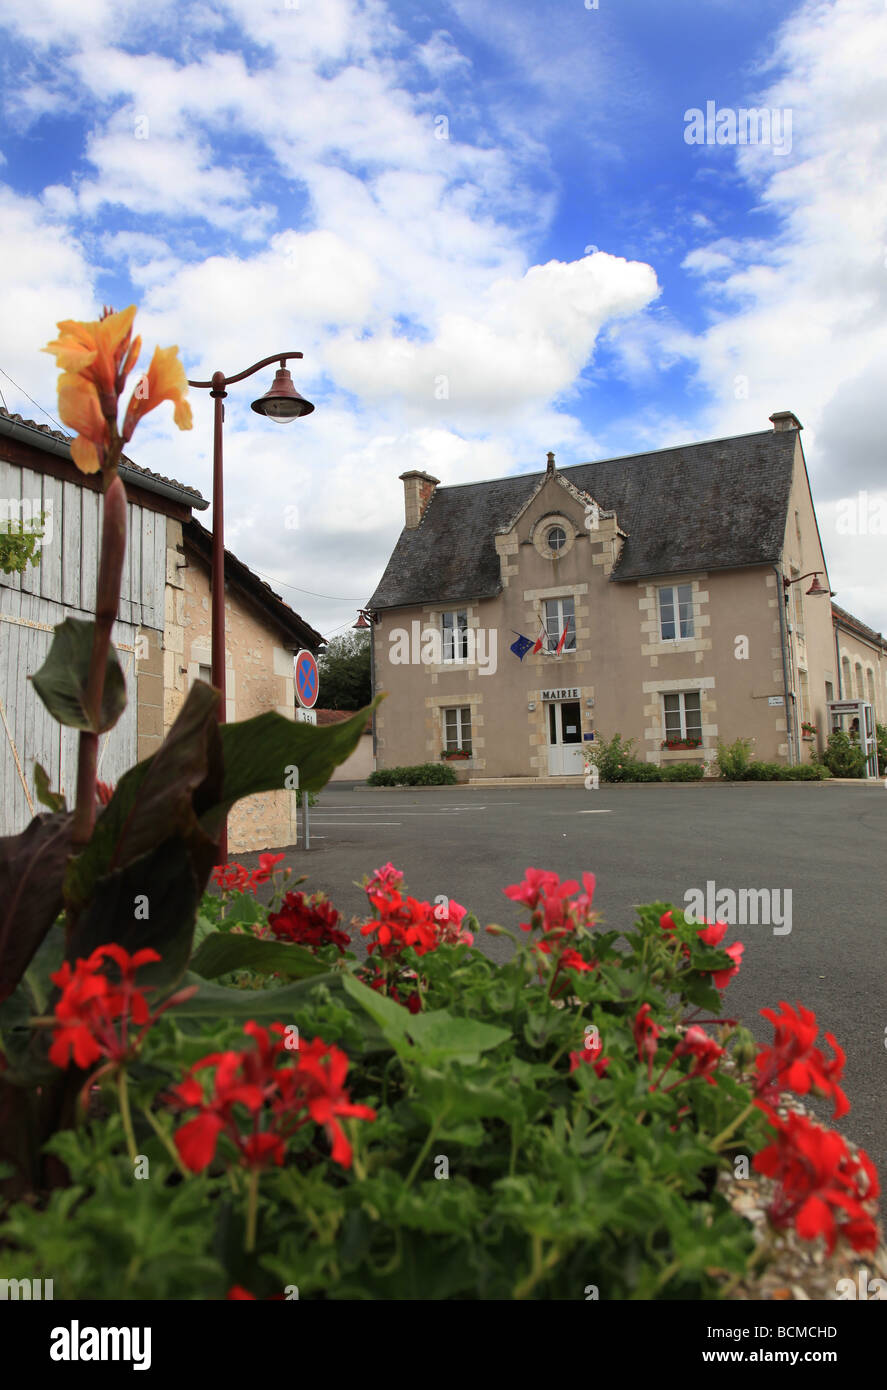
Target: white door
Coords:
[(565, 757)]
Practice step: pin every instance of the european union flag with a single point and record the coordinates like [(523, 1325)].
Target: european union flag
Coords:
[(521, 646)]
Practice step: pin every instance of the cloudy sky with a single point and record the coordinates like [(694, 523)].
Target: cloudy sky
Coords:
[(484, 227)]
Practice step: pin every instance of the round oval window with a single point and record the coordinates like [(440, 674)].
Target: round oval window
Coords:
[(557, 538)]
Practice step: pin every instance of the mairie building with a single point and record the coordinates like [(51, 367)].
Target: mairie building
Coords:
[(664, 596)]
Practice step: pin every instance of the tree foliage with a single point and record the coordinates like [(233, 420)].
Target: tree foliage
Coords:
[(344, 666)]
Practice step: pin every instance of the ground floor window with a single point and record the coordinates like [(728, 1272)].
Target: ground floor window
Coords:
[(683, 715), (457, 730)]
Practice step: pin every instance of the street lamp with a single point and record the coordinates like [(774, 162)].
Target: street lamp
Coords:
[(283, 404), (815, 591)]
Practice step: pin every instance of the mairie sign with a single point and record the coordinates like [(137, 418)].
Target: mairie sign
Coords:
[(571, 694)]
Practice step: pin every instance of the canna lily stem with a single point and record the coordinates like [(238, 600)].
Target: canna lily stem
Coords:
[(107, 603)]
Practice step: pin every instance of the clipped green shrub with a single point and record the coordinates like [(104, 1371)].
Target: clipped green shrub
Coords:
[(421, 775), (682, 772), (647, 772), (881, 731), (763, 772), (804, 772), (733, 758), (843, 757)]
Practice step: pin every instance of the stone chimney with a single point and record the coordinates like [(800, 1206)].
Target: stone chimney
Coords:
[(785, 420), (418, 490)]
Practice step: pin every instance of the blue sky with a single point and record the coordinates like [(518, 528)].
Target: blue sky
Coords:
[(483, 226)]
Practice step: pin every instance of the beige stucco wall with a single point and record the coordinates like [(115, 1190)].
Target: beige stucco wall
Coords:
[(620, 663), (359, 765), (259, 677), (867, 671)]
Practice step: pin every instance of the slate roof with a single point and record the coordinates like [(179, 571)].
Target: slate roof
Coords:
[(720, 504), (847, 620)]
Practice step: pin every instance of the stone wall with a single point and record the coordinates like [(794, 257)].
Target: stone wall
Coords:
[(259, 677)]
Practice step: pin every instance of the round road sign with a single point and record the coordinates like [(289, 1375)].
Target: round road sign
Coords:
[(307, 680)]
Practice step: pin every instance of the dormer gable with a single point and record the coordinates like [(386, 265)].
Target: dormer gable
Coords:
[(554, 517)]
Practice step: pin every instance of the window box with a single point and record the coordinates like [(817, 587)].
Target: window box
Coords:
[(681, 743), (455, 755)]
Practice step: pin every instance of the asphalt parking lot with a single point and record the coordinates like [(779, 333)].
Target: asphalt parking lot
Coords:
[(827, 844)]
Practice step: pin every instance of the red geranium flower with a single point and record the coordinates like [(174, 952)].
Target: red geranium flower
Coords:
[(645, 1034), (280, 1091), (266, 867), (794, 1063), (94, 1014), (308, 923), (721, 978), (704, 1050), (823, 1189)]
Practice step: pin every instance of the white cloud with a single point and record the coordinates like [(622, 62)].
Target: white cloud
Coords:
[(804, 317), (52, 280)]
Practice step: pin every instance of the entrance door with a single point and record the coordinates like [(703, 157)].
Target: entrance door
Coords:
[(565, 739)]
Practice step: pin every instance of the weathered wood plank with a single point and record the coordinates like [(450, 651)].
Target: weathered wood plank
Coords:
[(51, 545), (10, 492), (149, 563), (32, 502), (159, 619), (134, 540), (72, 534), (89, 558)]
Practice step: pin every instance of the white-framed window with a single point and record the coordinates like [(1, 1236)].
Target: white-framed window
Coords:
[(457, 729), (454, 628), (203, 673), (676, 611), (560, 613), (557, 539), (683, 714)]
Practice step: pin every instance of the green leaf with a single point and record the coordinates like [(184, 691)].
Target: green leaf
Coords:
[(155, 799), (264, 1005), (62, 680), (392, 1018), (440, 1032), (223, 952), (151, 902), (436, 1035), (45, 795), (260, 754), (32, 869)]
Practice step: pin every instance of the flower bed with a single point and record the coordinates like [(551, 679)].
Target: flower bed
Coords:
[(424, 1123)]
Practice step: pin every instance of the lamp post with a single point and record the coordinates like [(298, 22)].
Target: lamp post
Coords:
[(815, 591), (282, 403)]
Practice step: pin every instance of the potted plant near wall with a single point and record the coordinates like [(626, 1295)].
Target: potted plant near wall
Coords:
[(681, 743), (455, 754), (808, 730)]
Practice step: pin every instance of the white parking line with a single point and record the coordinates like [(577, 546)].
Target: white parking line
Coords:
[(314, 822), (592, 813)]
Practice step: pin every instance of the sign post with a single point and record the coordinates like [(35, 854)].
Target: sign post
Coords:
[(307, 690)]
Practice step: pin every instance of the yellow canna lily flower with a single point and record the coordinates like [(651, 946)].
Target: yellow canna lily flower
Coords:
[(165, 380), (101, 350), (95, 359), (80, 409)]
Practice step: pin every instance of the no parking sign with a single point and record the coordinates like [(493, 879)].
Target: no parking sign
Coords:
[(307, 680)]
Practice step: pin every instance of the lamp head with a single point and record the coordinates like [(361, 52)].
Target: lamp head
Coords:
[(282, 402)]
